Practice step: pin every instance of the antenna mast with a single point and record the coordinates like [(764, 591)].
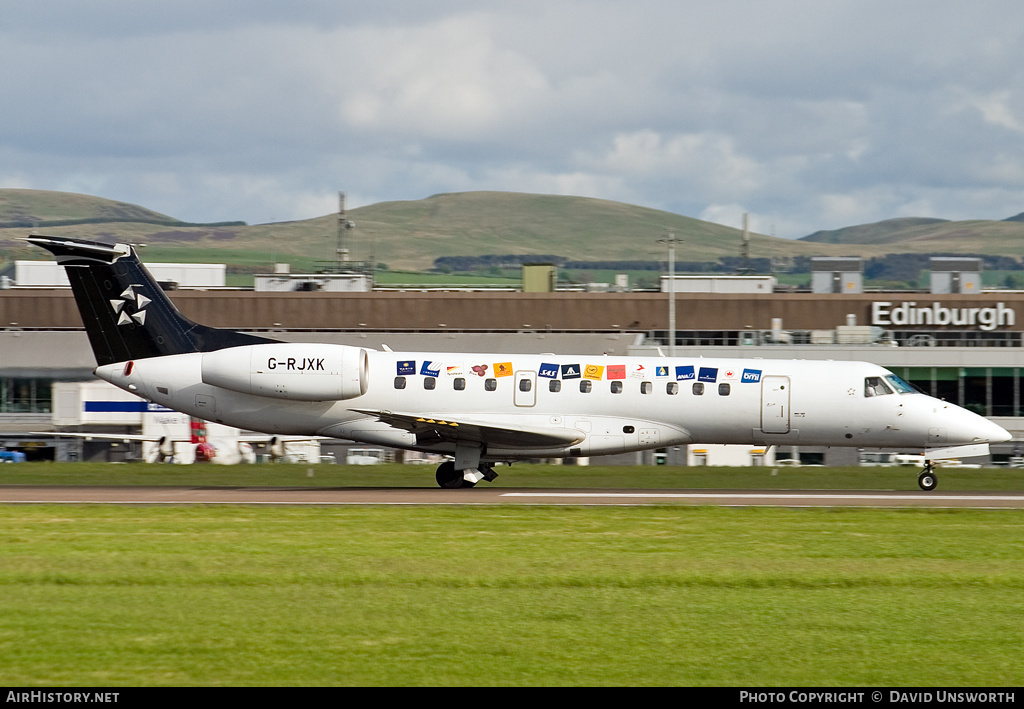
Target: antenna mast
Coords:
[(341, 254)]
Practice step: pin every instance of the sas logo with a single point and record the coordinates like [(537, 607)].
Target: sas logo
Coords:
[(751, 376), (130, 300), (548, 370)]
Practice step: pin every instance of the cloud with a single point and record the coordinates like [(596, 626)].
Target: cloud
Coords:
[(807, 115)]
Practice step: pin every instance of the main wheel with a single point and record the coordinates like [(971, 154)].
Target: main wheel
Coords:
[(927, 480), (449, 478)]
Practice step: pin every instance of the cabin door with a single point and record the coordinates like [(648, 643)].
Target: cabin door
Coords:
[(526, 388), (775, 404)]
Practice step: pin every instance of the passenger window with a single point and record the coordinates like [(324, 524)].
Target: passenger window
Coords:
[(616, 387), (672, 388), (459, 383), (490, 384), (585, 386), (525, 385), (555, 385), (875, 386), (646, 387), (698, 388), (399, 382), (429, 383), (724, 389)]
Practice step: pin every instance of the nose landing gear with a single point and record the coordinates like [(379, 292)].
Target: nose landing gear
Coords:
[(927, 480)]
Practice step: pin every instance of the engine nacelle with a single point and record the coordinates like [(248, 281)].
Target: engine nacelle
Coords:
[(283, 370)]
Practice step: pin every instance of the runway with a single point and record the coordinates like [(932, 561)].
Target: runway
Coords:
[(110, 495)]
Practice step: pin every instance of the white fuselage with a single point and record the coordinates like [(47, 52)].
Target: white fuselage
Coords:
[(589, 405)]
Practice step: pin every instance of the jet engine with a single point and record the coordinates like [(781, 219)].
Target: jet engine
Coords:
[(284, 370)]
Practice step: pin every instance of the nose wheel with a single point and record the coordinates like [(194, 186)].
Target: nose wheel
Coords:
[(927, 480)]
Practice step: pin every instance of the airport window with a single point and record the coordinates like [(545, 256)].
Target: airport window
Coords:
[(399, 382), (698, 388), (628, 429), (585, 386), (429, 383), (616, 387), (26, 395), (646, 387), (525, 385), (555, 385), (459, 383), (875, 386), (724, 389), (672, 388), (490, 384)]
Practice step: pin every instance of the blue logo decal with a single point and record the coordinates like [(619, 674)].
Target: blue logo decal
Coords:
[(407, 366), (430, 369), (570, 371), (684, 373), (548, 370), (661, 371), (751, 376), (708, 374)]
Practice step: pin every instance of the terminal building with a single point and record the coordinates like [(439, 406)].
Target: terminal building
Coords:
[(957, 341)]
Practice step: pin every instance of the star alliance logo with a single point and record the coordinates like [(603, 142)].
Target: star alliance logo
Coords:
[(130, 300)]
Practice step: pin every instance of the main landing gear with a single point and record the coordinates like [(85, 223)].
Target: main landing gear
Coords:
[(927, 480), (450, 478)]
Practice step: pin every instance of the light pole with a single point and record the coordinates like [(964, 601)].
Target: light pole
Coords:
[(671, 240)]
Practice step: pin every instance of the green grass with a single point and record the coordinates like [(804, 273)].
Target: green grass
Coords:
[(115, 596), (517, 476)]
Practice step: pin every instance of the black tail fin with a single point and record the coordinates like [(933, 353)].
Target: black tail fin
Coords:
[(126, 313)]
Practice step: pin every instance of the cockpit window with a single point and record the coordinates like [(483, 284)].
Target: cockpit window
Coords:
[(899, 385), (876, 386)]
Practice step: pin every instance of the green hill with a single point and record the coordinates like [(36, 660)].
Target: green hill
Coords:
[(411, 234), (408, 235), (883, 232), (20, 208)]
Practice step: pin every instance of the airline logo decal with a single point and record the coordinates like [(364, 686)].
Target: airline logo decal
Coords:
[(684, 373), (593, 371), (503, 369), (570, 371), (548, 370), (751, 376), (138, 303), (406, 366), (616, 371), (454, 370), (430, 369), (708, 374), (661, 371), (730, 375), (639, 371), (479, 369)]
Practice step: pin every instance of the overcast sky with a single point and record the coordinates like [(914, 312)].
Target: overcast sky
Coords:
[(809, 115)]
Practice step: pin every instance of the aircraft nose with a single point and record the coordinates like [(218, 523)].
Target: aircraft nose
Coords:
[(981, 430)]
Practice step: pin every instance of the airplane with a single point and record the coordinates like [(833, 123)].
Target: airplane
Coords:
[(205, 443), (481, 409)]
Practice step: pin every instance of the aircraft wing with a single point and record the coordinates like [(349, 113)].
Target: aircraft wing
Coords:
[(125, 437), (463, 429)]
